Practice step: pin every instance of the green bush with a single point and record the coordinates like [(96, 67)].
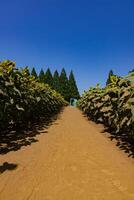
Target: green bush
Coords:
[(113, 106), (23, 98)]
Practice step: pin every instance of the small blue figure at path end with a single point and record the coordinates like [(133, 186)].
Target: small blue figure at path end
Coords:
[(73, 102)]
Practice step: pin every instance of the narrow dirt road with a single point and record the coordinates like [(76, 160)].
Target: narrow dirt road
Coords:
[(72, 161)]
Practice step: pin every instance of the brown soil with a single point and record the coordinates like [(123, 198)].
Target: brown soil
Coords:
[(72, 161)]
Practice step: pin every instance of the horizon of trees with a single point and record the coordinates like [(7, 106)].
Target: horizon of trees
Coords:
[(63, 84)]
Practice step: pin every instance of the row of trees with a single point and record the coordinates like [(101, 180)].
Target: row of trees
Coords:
[(67, 87)]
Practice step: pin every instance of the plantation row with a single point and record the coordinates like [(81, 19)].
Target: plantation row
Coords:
[(23, 98), (113, 106)]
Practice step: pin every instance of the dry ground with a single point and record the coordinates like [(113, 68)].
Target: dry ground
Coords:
[(72, 161)]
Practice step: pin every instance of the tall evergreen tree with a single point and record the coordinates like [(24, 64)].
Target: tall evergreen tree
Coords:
[(73, 90), (33, 73), (64, 85), (56, 81), (42, 76), (28, 71), (109, 75), (49, 78)]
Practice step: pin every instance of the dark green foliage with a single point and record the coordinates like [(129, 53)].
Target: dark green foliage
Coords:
[(131, 75), (28, 71), (74, 93), (113, 106), (64, 85), (132, 71), (49, 78), (56, 81), (33, 73), (109, 77), (22, 98), (42, 76), (67, 88)]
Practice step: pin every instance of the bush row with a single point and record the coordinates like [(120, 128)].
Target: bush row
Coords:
[(22, 98), (113, 106)]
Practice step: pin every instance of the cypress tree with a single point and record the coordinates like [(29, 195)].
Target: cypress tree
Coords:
[(42, 76), (33, 73), (109, 75), (73, 90), (56, 81), (28, 71), (49, 78), (64, 85)]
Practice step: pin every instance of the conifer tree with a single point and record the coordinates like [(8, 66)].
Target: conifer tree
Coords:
[(56, 81), (73, 90), (64, 85), (33, 73), (49, 78), (42, 76), (28, 71), (109, 75)]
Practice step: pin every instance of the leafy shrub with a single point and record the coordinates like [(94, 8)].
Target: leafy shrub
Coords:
[(113, 106), (23, 98)]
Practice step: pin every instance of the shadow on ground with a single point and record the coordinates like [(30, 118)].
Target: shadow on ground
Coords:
[(7, 166), (124, 142), (13, 139)]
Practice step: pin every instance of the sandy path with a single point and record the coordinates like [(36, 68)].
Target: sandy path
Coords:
[(73, 161)]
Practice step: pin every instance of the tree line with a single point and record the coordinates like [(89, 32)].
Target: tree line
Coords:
[(64, 85)]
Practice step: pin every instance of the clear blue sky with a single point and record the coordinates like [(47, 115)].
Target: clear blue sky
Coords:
[(89, 36)]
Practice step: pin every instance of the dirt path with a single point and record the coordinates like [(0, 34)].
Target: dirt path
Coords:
[(72, 161)]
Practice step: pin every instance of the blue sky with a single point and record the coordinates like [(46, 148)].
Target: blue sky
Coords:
[(89, 36)]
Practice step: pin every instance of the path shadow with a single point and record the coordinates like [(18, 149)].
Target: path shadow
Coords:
[(7, 166), (123, 141), (13, 139)]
